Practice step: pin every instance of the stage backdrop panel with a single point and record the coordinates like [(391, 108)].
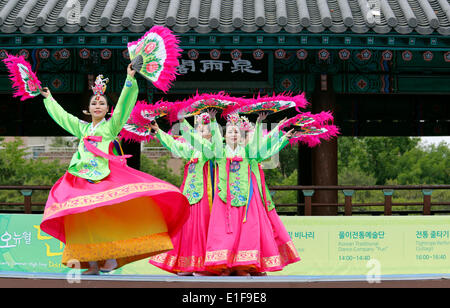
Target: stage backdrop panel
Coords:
[(356, 245)]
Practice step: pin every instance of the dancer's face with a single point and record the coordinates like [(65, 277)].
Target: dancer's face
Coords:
[(233, 135), (204, 131), (98, 108)]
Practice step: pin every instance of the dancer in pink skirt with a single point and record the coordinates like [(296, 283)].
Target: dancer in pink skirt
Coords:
[(245, 235), (188, 255), (105, 212)]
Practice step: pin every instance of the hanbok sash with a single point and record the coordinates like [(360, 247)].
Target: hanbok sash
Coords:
[(228, 213), (97, 152), (186, 169)]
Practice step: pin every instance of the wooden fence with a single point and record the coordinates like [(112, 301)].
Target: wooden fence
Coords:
[(305, 208), (302, 208)]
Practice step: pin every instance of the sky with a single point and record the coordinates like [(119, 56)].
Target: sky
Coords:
[(435, 140)]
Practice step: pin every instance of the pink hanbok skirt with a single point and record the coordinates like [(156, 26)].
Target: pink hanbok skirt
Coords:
[(127, 216), (260, 244), (189, 242)]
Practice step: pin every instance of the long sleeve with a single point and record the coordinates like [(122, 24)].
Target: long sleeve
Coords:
[(258, 142), (216, 140), (64, 119), (272, 133), (272, 146), (207, 148), (183, 150), (124, 106), (252, 148)]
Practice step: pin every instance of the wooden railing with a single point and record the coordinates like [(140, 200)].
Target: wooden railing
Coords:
[(27, 193), (304, 208)]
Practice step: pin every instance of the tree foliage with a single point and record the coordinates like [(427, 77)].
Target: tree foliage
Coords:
[(400, 159), (17, 169), (161, 169), (361, 161), (372, 161)]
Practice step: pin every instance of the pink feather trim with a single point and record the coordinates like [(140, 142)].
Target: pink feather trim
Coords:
[(142, 108), (319, 118), (187, 105), (299, 101), (173, 52), (129, 136), (235, 103), (15, 76), (312, 141)]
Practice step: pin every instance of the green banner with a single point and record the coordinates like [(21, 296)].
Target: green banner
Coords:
[(366, 245), (24, 248), (356, 245)]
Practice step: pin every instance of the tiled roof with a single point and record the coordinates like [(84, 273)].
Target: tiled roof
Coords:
[(203, 16)]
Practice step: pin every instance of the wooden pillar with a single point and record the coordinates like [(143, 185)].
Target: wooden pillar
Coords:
[(325, 156), (308, 201), (27, 200), (348, 193), (427, 201), (388, 201), (304, 173)]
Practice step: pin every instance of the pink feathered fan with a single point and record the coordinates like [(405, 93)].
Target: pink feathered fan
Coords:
[(137, 128), (155, 56), (311, 128), (24, 80)]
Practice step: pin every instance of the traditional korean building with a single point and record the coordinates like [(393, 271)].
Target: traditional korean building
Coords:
[(381, 66)]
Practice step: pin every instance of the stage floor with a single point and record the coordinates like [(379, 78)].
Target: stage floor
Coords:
[(45, 280)]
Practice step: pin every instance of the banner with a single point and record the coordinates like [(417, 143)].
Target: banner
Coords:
[(370, 245), (328, 246)]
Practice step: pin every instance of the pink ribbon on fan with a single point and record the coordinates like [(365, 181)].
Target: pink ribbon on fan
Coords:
[(229, 161), (94, 150)]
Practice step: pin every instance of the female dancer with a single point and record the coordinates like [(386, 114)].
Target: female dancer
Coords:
[(242, 236), (188, 255), (107, 213), (282, 238)]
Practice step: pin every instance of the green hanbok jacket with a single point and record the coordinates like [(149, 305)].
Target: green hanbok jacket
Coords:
[(197, 156), (234, 166), (84, 164)]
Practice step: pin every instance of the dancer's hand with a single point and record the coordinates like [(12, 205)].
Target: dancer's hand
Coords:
[(289, 134), (154, 126), (212, 113), (282, 121), (262, 116), (130, 70), (45, 92), (181, 116)]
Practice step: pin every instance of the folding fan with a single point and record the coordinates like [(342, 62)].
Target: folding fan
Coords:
[(200, 103), (155, 56), (269, 104), (24, 80)]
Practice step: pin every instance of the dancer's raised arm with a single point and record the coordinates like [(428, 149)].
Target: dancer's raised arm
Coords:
[(180, 149), (207, 136), (125, 104), (271, 146)]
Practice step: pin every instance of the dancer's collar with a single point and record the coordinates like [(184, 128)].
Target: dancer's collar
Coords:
[(92, 128), (234, 152)]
